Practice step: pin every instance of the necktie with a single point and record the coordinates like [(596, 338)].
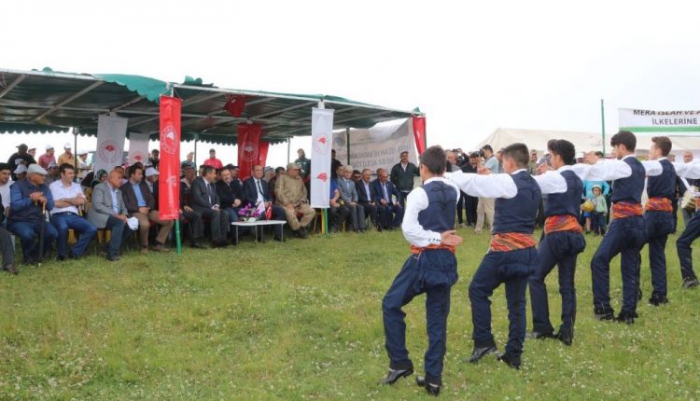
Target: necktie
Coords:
[(386, 194), (260, 190), (209, 191)]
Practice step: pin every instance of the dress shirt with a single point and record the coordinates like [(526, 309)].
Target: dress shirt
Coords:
[(59, 192), (115, 199), (140, 200), (5, 193), (417, 202)]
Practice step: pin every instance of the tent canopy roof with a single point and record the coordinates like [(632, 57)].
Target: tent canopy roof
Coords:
[(583, 141), (48, 101)]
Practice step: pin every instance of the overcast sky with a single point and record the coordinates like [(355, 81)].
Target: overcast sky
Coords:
[(470, 67)]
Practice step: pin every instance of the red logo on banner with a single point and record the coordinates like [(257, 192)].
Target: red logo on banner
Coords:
[(250, 152), (322, 146), (323, 177), (108, 152), (169, 166)]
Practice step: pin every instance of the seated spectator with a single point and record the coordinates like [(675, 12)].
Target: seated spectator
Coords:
[(255, 191), (140, 203), (100, 177), (20, 173), (273, 181), (187, 214), (387, 196), (29, 197), (52, 175), (348, 194), (337, 212), (6, 246), (366, 196), (229, 194), (291, 194), (5, 184), (205, 201), (356, 175), (152, 182), (107, 212), (68, 197)]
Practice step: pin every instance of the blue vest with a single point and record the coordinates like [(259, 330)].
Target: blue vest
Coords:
[(664, 185), (31, 213), (568, 202), (517, 215), (630, 189), (439, 216)]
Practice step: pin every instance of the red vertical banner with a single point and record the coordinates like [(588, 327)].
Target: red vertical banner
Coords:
[(262, 152), (419, 133), (248, 148), (169, 166)]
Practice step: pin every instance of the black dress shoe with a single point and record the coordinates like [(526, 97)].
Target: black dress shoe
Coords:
[(536, 335), (10, 268), (657, 299), (605, 313), (626, 317), (565, 338), (430, 388), (690, 282), (509, 360), (396, 374), (480, 352)]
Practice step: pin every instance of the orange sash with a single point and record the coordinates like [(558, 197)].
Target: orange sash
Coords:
[(417, 249), (561, 222), (659, 204), (506, 242), (621, 210)]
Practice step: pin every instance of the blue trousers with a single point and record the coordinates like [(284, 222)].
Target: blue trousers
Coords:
[(512, 269), (685, 254), (390, 216), (658, 226), (28, 233), (625, 236), (120, 232), (432, 272), (86, 231), (556, 249)]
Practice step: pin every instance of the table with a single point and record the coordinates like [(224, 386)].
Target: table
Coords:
[(259, 223)]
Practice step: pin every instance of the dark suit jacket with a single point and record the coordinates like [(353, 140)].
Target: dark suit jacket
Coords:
[(228, 193), (362, 194), (250, 192), (390, 189), (129, 197), (199, 198)]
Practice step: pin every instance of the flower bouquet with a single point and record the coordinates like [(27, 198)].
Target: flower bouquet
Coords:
[(250, 213)]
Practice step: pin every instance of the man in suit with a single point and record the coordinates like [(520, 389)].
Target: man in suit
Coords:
[(205, 201), (366, 195), (384, 190), (255, 191), (229, 191), (348, 193), (107, 212), (140, 203), (187, 214)]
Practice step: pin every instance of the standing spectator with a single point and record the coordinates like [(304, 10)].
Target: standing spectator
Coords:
[(107, 212), (598, 214), (470, 202), (189, 161), (141, 204), (20, 172), (66, 156), (154, 159), (304, 163), (21, 157), (687, 215), (83, 166), (53, 174), (212, 161), (205, 201), (32, 153), (532, 164), (485, 207), (48, 157), (348, 194), (291, 194), (402, 175), (68, 197), (6, 245), (5, 185), (29, 198)]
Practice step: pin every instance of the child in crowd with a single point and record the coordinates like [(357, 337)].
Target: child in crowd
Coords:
[(601, 209)]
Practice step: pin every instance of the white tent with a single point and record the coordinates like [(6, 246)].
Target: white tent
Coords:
[(584, 141)]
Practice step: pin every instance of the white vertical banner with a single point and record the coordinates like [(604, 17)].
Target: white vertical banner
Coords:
[(138, 148), (111, 132), (321, 144)]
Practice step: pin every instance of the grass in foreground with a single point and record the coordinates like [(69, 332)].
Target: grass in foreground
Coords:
[(302, 321)]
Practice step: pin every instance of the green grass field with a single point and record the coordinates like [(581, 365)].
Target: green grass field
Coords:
[(302, 321)]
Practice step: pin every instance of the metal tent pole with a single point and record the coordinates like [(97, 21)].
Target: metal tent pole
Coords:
[(289, 150), (347, 142)]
